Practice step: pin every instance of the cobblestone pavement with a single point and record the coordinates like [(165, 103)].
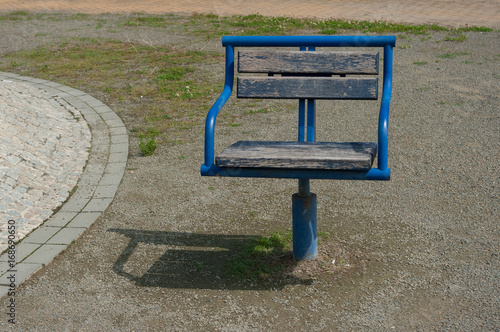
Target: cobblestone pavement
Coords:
[(44, 148), (51, 138), (444, 12)]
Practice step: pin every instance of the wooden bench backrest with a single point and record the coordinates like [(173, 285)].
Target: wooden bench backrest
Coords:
[(307, 75)]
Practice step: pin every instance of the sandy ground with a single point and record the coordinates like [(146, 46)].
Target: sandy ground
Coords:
[(420, 252)]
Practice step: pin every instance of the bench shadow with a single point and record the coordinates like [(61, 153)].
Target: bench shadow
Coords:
[(192, 261)]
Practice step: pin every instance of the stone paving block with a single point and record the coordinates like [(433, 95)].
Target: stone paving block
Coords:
[(73, 100), (66, 236), (121, 147), (49, 90), (23, 78), (110, 179), (84, 109), (118, 157), (35, 80), (41, 235), (84, 220), (85, 192), (114, 123), (99, 149), (60, 219), (91, 118), (88, 180), (74, 204), (102, 109), (80, 105), (118, 139), (9, 75), (75, 92), (63, 95), (4, 267), (108, 191), (23, 250), (53, 84), (98, 156), (4, 290), (94, 170), (21, 272), (100, 140), (118, 131), (115, 168), (45, 254), (110, 116), (91, 101), (98, 205), (66, 88)]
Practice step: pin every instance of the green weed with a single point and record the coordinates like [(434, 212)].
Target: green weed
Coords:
[(212, 25), (260, 257), (149, 21), (147, 143), (456, 35), (476, 29)]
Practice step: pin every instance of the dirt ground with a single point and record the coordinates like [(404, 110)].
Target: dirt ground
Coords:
[(417, 253)]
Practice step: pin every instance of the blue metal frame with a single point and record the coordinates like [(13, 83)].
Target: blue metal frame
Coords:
[(304, 206), (382, 172)]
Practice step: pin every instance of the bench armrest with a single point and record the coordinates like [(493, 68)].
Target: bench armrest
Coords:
[(214, 111)]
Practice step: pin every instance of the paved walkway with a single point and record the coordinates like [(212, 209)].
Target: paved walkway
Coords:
[(44, 146), (443, 12)]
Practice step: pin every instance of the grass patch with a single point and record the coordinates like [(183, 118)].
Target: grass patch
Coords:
[(261, 258), (265, 258), (475, 29), (377, 27), (214, 26), (456, 35), (150, 84), (148, 21), (420, 63), (147, 143)]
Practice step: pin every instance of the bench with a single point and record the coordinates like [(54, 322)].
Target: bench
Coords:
[(306, 75)]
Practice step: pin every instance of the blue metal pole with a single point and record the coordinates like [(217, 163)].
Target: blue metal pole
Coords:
[(311, 120), (383, 126), (305, 240), (302, 120), (304, 214), (214, 111)]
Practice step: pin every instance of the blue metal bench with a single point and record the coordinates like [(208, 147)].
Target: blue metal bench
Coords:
[(306, 75)]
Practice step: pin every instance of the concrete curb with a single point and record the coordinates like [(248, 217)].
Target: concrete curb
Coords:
[(94, 191)]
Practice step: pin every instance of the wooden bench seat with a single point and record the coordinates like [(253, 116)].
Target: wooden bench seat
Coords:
[(356, 156)]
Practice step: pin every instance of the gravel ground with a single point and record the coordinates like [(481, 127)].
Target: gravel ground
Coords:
[(419, 252)]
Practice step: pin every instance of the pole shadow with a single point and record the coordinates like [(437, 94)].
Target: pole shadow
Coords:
[(195, 261)]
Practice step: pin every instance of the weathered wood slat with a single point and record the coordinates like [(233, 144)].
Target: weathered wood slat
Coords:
[(299, 155), (279, 62), (307, 87)]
